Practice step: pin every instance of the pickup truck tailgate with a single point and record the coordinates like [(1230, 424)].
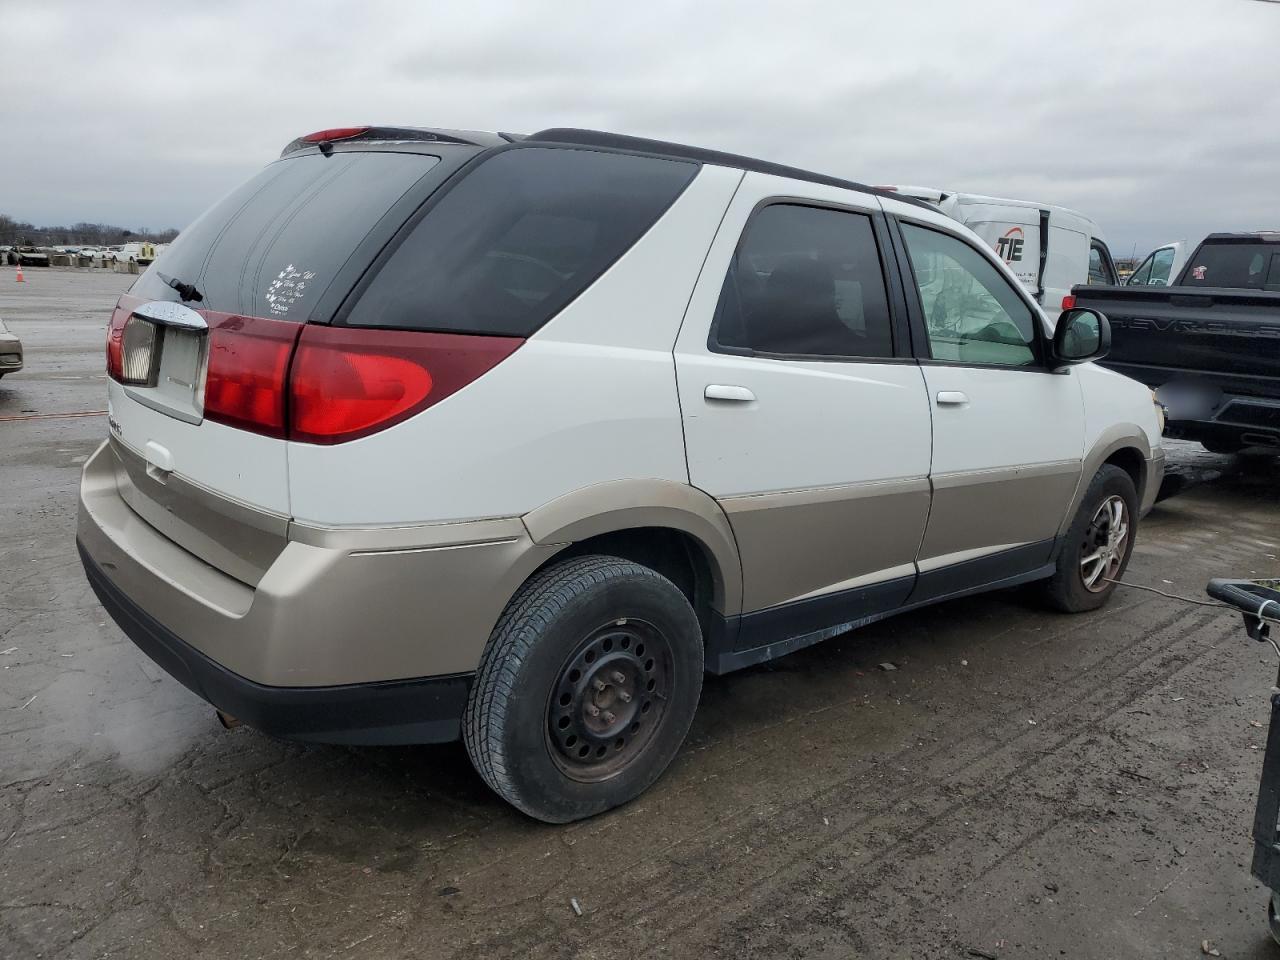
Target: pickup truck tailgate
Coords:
[(1229, 338)]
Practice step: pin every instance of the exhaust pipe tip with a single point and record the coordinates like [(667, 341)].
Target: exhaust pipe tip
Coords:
[(227, 720)]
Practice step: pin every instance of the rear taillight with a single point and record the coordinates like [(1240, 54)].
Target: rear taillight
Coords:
[(320, 384), (1069, 302), (246, 376), (115, 342), (349, 382)]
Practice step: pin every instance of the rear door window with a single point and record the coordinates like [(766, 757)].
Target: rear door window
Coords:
[(271, 247), (805, 281), (517, 239)]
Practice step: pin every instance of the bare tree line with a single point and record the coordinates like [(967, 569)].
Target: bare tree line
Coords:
[(16, 232)]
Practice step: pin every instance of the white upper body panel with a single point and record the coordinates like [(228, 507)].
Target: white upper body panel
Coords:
[(589, 398), (812, 422)]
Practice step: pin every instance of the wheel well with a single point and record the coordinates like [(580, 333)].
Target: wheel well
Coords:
[(673, 553), (1131, 462)]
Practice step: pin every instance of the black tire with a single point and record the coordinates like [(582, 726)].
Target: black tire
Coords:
[(614, 619), (1066, 589)]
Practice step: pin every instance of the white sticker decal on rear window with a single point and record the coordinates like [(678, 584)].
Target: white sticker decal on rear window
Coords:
[(288, 288), (1199, 272)]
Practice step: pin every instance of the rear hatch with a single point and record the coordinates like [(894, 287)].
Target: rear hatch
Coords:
[(188, 343)]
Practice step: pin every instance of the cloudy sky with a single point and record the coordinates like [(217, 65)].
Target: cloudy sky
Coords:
[(1158, 119)]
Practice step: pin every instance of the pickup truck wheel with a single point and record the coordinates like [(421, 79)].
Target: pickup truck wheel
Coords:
[(1097, 545), (586, 688)]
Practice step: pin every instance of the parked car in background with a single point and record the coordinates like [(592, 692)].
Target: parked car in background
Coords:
[(30, 256), (1160, 267), (1049, 248), (513, 438), (136, 252), (10, 351), (1210, 342)]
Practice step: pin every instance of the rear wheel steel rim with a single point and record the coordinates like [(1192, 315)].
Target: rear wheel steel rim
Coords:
[(1106, 542), (609, 700)]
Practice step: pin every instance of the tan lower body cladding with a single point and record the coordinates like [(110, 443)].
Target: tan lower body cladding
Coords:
[(803, 543), (800, 544), (981, 511)]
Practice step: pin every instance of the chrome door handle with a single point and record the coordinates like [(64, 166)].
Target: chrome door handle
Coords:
[(952, 398), (724, 391)]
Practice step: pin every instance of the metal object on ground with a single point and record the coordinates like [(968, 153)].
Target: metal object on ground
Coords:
[(1259, 602)]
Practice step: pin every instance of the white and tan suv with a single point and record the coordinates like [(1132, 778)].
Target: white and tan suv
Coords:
[(423, 434)]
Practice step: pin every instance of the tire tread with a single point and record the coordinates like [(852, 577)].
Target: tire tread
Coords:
[(526, 618)]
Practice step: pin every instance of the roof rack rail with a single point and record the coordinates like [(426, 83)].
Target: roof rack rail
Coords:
[(680, 151)]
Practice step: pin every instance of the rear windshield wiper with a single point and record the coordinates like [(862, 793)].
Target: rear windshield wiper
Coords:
[(187, 291)]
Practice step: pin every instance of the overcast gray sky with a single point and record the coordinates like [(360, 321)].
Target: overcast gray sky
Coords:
[(1160, 120)]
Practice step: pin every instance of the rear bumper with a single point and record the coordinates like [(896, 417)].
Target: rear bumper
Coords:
[(10, 354), (426, 710), (348, 636), (1205, 412)]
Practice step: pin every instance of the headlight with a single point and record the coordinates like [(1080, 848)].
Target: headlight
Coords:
[(1160, 411)]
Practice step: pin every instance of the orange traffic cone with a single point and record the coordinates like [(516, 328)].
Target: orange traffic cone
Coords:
[(20, 278)]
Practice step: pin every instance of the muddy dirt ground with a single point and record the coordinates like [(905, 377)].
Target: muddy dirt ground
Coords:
[(1024, 784)]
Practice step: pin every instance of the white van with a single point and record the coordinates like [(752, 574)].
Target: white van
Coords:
[(1049, 248)]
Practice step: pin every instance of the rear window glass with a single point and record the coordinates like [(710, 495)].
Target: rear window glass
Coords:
[(805, 281), (517, 239), (1250, 266), (271, 247)]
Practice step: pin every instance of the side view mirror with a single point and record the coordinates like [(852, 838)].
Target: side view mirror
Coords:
[(1081, 335)]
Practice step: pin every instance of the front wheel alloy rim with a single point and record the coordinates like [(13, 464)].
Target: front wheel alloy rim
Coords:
[(1105, 543), (609, 700)]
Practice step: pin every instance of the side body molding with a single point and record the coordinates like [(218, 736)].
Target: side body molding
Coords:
[(630, 504)]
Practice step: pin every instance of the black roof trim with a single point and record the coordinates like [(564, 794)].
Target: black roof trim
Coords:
[(680, 151), (1257, 236)]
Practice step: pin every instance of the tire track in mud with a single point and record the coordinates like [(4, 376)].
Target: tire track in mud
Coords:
[(1021, 810), (720, 759), (1079, 704), (986, 775)]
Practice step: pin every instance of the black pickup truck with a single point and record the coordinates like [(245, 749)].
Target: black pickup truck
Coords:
[(1209, 344)]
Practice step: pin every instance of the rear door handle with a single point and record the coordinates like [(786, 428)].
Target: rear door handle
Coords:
[(952, 398), (724, 391)]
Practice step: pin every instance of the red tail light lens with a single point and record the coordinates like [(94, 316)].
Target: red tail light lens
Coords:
[(1069, 302), (115, 342), (349, 382), (321, 384), (248, 365)]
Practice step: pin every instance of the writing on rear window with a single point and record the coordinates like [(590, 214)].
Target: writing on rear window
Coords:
[(289, 286)]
